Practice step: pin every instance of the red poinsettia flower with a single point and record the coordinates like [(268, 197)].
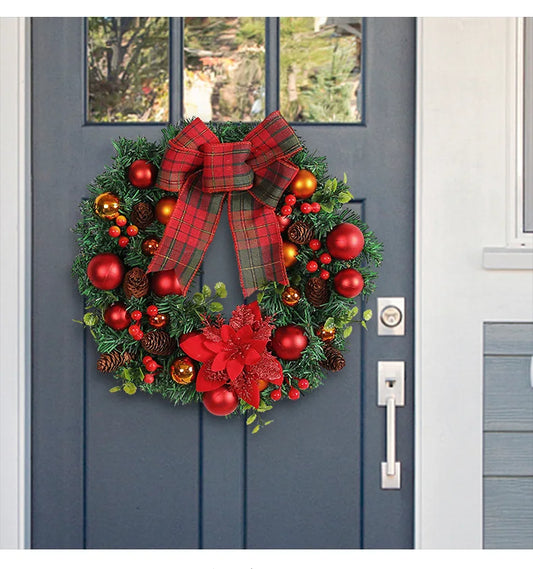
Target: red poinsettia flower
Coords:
[(235, 354)]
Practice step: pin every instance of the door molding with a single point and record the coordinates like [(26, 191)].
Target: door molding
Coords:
[(15, 283)]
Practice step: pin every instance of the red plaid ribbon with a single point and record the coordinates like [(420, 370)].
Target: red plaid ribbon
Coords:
[(253, 174)]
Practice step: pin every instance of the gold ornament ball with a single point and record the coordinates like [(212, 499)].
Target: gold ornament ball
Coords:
[(106, 205), (290, 296), (326, 334), (303, 184), (158, 321), (263, 384), (149, 246), (164, 208), (182, 371), (289, 253)]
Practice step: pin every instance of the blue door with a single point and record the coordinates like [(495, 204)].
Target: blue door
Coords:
[(114, 471)]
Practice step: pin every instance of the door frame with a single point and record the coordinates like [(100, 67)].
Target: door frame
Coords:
[(437, 505)]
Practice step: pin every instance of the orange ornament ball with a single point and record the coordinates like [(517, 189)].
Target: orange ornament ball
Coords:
[(263, 384), (164, 209), (182, 371), (158, 320), (303, 184), (289, 253), (149, 246), (106, 205)]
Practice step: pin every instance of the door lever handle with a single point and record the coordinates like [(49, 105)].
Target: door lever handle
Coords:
[(391, 388)]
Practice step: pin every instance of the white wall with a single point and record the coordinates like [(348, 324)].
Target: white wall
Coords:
[(466, 167)]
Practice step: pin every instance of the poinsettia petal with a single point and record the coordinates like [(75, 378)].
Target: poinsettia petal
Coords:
[(245, 334), (194, 346), (204, 383), (254, 307), (250, 394), (215, 347), (227, 333), (259, 345), (277, 380), (252, 357), (220, 361), (234, 368)]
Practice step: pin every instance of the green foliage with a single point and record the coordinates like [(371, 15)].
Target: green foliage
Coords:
[(187, 314)]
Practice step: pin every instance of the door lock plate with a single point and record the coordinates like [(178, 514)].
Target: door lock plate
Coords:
[(391, 316)]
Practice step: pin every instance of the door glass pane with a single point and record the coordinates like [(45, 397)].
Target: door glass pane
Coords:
[(320, 69), (224, 69), (128, 69)]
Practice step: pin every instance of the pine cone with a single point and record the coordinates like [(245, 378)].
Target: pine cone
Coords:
[(300, 233), (158, 343), (136, 283), (112, 361), (316, 291), (334, 359), (142, 215)]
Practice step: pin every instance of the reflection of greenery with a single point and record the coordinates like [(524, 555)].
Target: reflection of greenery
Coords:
[(317, 72), (128, 69), (228, 56)]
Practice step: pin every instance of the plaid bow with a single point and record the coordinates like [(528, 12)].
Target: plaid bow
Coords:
[(253, 174)]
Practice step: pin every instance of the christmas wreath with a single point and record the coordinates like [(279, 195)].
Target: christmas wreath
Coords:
[(305, 256)]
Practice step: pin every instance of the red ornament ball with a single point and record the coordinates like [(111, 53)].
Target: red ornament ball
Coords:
[(324, 275), (142, 174), (116, 316), (105, 271), (123, 241), (134, 330), (315, 207), (303, 384), (151, 366), (345, 241), (312, 266), (275, 395), (315, 244), (132, 230), (306, 208), (348, 283), (289, 342), (286, 210), (121, 220), (136, 315), (294, 393), (114, 231), (147, 359), (165, 282), (221, 401), (149, 378), (325, 258)]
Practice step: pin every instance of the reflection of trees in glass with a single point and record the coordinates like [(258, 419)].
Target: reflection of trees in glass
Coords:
[(128, 69), (224, 68), (320, 67)]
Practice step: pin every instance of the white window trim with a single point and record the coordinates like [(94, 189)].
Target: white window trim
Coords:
[(517, 253), (15, 224)]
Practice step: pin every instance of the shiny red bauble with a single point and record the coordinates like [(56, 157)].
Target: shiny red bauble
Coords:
[(283, 222), (142, 174), (105, 271), (348, 283), (117, 317), (165, 282), (221, 401), (345, 241), (289, 342)]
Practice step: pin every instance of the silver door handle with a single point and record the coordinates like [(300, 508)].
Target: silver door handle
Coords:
[(391, 394)]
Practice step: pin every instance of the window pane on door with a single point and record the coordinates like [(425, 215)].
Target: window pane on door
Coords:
[(128, 69), (224, 69), (320, 69)]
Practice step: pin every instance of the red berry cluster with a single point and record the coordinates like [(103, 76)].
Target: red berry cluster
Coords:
[(305, 207), (151, 366), (135, 329), (324, 258), (115, 231), (294, 393)]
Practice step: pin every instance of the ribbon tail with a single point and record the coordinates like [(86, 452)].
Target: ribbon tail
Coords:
[(188, 234), (257, 242)]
